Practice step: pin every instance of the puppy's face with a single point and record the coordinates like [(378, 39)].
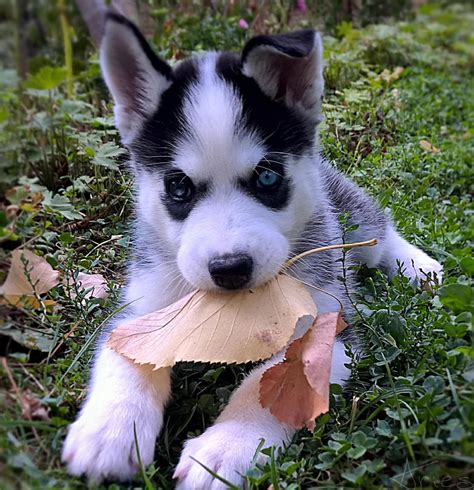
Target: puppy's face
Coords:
[(221, 148)]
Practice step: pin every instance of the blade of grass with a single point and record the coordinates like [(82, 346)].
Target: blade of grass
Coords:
[(216, 476), (148, 484)]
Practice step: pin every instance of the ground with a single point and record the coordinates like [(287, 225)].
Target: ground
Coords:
[(398, 120)]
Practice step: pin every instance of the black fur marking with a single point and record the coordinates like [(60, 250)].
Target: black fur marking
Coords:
[(157, 63), (295, 44), (277, 198), (154, 147), (281, 128), (179, 211)]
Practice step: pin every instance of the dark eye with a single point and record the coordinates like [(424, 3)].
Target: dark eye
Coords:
[(267, 179), (179, 187)]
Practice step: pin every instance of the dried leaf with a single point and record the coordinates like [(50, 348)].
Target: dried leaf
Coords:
[(296, 390), (427, 146), (285, 391), (95, 283), (43, 340), (234, 327), (30, 301), (28, 274), (389, 77), (31, 407)]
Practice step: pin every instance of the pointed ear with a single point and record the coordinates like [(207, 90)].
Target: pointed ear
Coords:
[(288, 68), (136, 77)]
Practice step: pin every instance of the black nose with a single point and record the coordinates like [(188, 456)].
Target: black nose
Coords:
[(231, 271)]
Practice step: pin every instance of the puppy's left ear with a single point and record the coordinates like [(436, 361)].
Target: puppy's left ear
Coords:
[(288, 68), (135, 76)]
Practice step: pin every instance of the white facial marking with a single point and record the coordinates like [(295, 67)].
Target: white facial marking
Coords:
[(216, 146), (219, 152)]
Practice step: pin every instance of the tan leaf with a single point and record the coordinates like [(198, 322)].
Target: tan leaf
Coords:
[(31, 301), (31, 407), (389, 77), (203, 326), (27, 276), (95, 282), (427, 146), (296, 391)]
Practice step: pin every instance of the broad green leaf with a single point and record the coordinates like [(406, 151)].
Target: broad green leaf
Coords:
[(356, 452), (106, 155), (434, 384), (61, 205), (34, 339), (457, 297), (355, 475), (8, 78), (47, 78), (467, 265)]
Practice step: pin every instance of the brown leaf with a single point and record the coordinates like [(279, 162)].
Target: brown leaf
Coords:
[(31, 301), (31, 407), (95, 282), (203, 326), (389, 77), (296, 391), (427, 146), (24, 279), (284, 389)]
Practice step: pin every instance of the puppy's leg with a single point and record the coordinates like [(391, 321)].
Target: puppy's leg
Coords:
[(228, 447), (123, 396), (416, 264), (373, 223)]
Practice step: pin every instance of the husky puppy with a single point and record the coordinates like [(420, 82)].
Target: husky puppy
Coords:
[(229, 184)]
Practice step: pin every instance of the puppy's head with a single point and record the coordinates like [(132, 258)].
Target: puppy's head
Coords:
[(221, 149)]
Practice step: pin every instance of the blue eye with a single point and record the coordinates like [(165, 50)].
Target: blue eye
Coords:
[(267, 179)]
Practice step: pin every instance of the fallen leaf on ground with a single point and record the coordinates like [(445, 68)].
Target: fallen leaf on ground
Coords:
[(94, 282), (28, 274), (296, 391), (389, 77), (36, 339), (236, 327), (31, 407), (427, 146)]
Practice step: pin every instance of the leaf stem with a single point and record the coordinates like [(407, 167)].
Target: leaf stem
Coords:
[(317, 289), (367, 243)]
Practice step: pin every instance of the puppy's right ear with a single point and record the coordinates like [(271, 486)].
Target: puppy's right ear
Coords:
[(136, 77)]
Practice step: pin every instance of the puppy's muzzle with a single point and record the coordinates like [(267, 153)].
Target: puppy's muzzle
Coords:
[(231, 271)]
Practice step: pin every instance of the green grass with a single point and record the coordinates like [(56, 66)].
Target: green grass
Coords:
[(406, 417)]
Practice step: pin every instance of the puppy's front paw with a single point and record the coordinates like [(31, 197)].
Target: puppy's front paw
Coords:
[(420, 267), (227, 449), (102, 445)]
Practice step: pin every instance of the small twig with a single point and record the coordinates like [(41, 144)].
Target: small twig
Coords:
[(83, 223), (23, 368), (290, 262), (61, 343)]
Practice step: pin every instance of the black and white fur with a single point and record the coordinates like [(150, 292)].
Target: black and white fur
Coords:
[(219, 120)]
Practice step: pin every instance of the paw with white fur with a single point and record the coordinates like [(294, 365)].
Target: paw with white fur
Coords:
[(416, 264), (227, 449), (421, 267), (101, 445)]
